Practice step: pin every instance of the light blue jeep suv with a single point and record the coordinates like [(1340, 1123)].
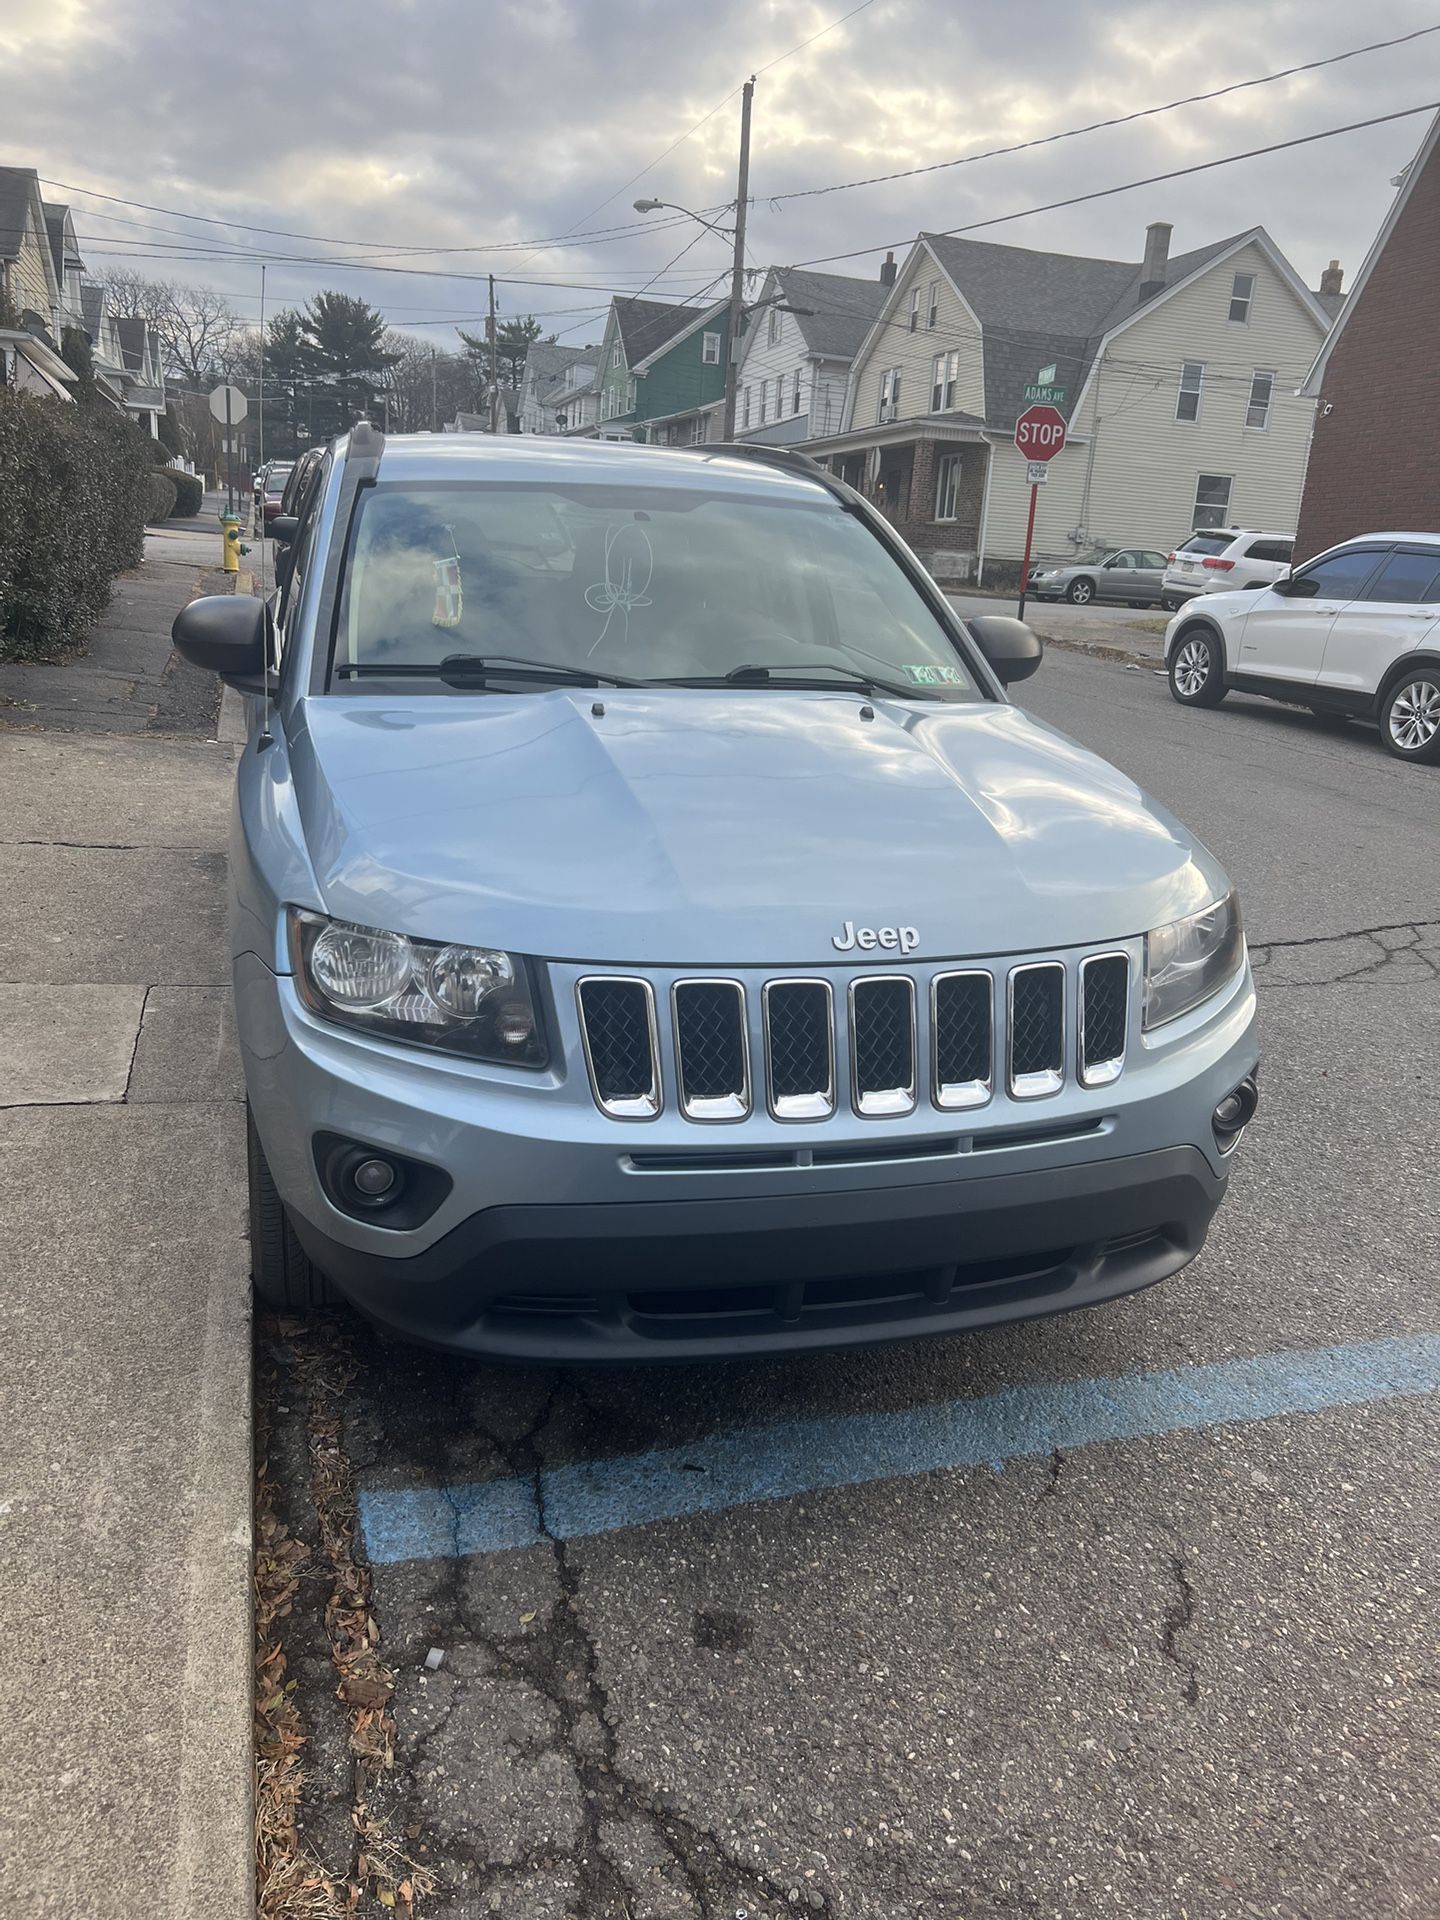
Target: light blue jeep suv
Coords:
[(656, 934)]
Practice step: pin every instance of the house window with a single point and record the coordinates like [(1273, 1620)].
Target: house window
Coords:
[(947, 487), (1242, 292), (710, 349), (932, 311), (764, 398), (745, 406), (1212, 500), (1187, 400), (914, 308), (775, 323), (944, 372), (698, 428), (890, 394), (1262, 388)]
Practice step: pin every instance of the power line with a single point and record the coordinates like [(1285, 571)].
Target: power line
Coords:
[(1098, 126), (1128, 186)]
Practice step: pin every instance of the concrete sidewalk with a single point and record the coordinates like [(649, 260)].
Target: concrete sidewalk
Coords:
[(125, 1483)]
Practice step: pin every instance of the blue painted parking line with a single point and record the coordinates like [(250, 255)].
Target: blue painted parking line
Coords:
[(749, 1464)]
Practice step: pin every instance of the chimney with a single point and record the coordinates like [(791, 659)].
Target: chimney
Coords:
[(888, 270), (1331, 278), (1157, 257)]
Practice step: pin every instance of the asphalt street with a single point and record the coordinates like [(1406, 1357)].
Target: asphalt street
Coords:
[(1155, 1636)]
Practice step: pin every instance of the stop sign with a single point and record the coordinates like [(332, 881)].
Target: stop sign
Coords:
[(1040, 433)]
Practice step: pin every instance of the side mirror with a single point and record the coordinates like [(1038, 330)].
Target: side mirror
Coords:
[(225, 633), (282, 529), (1013, 650), (1282, 585)]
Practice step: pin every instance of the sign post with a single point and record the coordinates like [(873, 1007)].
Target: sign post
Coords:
[(1039, 436), (228, 403)]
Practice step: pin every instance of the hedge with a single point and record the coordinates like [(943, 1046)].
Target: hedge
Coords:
[(189, 492), (74, 493), (160, 497)]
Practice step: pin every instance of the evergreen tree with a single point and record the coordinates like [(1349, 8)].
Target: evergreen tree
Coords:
[(346, 359)]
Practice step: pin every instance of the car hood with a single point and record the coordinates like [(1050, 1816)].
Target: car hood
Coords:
[(734, 828)]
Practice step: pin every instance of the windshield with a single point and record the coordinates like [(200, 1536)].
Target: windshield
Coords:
[(275, 483), (652, 584), (1207, 543)]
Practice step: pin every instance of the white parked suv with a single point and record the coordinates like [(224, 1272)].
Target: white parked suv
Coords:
[(1354, 631), (1220, 559)]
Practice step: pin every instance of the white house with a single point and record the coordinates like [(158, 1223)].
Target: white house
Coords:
[(30, 299), (546, 366), (801, 337), (1177, 376)]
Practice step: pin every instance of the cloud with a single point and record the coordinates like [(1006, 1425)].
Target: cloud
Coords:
[(458, 123)]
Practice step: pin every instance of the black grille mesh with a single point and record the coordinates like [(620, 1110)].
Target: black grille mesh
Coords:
[(617, 1026), (1106, 990), (1037, 1021), (884, 1036), (963, 1041), (708, 1028), (799, 1027)]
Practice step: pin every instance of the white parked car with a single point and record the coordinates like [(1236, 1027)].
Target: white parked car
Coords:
[(1220, 559), (1354, 631)]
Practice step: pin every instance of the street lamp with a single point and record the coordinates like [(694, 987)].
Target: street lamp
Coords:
[(654, 206)]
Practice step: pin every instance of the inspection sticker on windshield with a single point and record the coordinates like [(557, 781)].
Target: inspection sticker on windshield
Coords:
[(932, 676)]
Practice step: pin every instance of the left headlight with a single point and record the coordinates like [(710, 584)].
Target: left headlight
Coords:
[(476, 1001), (1188, 960)]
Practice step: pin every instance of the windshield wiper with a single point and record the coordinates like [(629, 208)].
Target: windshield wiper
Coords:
[(842, 679), (476, 669)]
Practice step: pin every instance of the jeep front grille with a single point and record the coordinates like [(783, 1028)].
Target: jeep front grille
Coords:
[(962, 1039)]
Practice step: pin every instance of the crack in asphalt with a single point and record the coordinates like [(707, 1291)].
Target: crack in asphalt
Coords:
[(561, 1662), (1422, 947), (1180, 1615)]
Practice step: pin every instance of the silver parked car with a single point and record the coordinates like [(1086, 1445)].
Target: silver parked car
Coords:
[(1129, 575), (656, 933)]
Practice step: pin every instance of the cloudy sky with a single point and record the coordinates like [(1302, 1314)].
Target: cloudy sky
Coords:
[(391, 132)]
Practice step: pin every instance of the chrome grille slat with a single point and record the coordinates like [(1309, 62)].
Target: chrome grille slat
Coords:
[(799, 1024), (1103, 1004), (962, 1038), (882, 1044), (712, 1050), (1035, 1023), (622, 1045)]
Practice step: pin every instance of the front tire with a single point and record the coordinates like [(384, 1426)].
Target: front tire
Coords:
[(280, 1268), (1197, 669), (1080, 592), (1410, 716)]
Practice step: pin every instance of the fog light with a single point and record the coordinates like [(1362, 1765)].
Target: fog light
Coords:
[(1235, 1112), (374, 1178)]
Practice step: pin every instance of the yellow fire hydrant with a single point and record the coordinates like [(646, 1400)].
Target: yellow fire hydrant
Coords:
[(230, 536)]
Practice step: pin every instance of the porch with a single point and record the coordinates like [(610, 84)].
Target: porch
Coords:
[(927, 477)]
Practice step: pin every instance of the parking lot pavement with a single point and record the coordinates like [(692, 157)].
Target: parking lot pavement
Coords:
[(1130, 1612)]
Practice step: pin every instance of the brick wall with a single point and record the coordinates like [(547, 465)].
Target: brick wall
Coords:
[(1375, 457)]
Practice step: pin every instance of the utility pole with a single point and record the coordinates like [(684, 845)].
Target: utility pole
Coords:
[(737, 272), (494, 365), (434, 421)]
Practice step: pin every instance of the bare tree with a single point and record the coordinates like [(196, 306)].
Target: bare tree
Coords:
[(425, 387), (196, 326)]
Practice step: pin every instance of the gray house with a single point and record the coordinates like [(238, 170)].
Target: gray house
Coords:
[(799, 341)]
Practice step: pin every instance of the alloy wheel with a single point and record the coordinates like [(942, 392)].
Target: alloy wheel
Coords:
[(1415, 716), (1192, 668)]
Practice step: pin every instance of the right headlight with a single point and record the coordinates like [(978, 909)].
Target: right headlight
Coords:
[(428, 993), (1188, 960)]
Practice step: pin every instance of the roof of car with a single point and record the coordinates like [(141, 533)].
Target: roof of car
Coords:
[(540, 457), (1421, 539)]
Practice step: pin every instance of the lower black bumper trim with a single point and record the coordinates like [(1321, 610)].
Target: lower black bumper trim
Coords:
[(691, 1279)]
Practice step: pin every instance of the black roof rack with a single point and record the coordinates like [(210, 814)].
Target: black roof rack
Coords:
[(791, 459)]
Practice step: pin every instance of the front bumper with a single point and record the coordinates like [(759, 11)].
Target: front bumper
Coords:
[(561, 1233), (725, 1278)]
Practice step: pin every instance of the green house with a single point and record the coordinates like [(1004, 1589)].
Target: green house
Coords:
[(658, 365)]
